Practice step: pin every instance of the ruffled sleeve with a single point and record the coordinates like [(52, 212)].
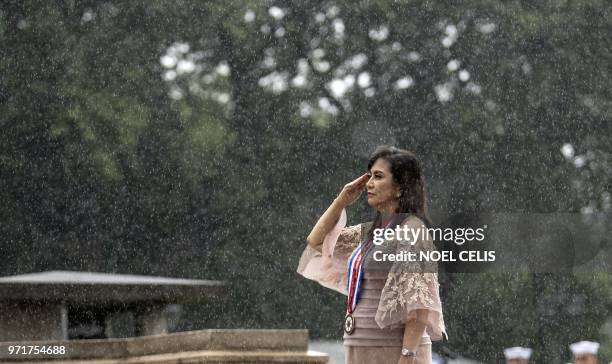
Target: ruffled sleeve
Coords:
[(412, 286), (329, 267)]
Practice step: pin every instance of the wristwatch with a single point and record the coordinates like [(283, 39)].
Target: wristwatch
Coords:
[(408, 353)]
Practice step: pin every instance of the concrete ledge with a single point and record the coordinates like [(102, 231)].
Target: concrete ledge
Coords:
[(270, 343), (206, 357)]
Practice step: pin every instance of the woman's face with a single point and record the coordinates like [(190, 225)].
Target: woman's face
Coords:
[(382, 190)]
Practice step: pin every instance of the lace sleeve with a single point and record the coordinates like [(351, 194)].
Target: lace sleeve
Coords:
[(412, 286), (329, 267)]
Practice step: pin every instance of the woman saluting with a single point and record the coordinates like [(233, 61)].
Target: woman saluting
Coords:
[(393, 308)]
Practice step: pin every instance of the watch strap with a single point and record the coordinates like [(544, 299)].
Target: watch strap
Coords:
[(408, 353)]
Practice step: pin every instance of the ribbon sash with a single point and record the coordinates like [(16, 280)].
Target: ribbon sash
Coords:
[(355, 273)]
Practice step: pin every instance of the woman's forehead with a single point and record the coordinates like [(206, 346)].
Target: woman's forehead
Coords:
[(380, 165)]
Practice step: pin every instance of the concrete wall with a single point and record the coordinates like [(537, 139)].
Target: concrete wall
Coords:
[(28, 322)]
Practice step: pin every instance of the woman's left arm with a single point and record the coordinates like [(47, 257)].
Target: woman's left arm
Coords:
[(411, 293), (413, 331)]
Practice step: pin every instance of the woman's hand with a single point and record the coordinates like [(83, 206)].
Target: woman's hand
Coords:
[(407, 360), (352, 190), (330, 217)]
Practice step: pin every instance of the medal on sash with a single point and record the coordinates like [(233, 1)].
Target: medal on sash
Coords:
[(355, 272), (354, 283)]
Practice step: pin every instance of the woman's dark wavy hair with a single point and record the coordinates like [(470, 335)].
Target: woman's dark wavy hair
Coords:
[(407, 172)]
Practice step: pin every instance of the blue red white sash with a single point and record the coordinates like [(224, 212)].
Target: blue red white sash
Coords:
[(355, 273)]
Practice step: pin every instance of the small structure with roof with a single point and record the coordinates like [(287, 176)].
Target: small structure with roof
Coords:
[(67, 305)]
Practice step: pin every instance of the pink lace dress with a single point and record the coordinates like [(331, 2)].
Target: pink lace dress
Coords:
[(391, 292)]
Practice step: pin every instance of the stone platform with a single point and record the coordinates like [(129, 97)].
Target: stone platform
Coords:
[(202, 346)]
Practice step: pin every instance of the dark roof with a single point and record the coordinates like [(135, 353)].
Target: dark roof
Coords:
[(95, 287)]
